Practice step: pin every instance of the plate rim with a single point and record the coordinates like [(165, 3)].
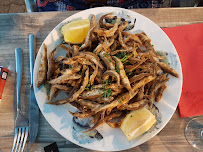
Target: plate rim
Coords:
[(116, 9)]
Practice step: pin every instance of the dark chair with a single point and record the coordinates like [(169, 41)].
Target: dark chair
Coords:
[(31, 5)]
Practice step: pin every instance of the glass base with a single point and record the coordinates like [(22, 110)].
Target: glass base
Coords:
[(194, 132)]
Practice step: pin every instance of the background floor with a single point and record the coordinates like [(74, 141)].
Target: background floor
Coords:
[(18, 6)]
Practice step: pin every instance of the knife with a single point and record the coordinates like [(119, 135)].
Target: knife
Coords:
[(34, 109)]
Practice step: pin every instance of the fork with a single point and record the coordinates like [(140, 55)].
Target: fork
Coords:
[(21, 123)]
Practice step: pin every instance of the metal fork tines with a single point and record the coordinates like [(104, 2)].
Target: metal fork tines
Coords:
[(21, 123)]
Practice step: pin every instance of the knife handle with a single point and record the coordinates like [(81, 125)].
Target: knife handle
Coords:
[(18, 59), (32, 56)]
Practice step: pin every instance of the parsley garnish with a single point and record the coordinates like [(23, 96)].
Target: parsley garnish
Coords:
[(122, 56), (88, 87), (117, 70), (124, 59), (109, 60), (107, 82), (130, 73), (107, 93), (104, 87)]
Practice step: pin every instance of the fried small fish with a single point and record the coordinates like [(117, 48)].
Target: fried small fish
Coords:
[(42, 74)]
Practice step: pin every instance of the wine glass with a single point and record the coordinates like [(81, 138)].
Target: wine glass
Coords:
[(194, 132)]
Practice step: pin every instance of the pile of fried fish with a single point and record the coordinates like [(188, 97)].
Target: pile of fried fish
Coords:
[(112, 73)]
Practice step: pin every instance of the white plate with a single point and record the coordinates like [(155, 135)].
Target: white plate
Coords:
[(113, 139)]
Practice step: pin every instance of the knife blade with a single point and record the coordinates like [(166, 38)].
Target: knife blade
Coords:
[(34, 109)]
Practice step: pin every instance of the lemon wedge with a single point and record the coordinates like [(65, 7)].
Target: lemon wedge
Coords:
[(76, 31), (137, 122)]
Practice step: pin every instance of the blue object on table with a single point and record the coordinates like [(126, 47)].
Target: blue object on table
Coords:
[(34, 109)]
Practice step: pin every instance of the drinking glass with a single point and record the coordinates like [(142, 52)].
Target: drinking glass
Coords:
[(194, 132)]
